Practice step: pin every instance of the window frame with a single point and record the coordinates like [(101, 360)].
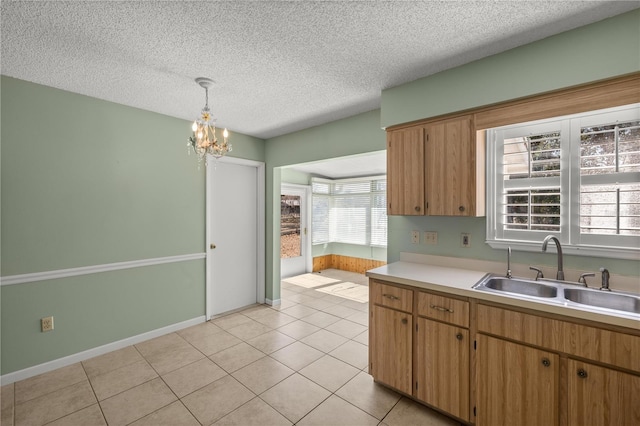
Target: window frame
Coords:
[(573, 242)]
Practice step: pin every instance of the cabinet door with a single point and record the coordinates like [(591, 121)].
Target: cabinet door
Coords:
[(451, 168), (405, 171), (602, 396), (442, 367), (391, 347), (515, 384)]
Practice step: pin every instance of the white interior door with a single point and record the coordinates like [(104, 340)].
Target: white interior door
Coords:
[(295, 236), (233, 266)]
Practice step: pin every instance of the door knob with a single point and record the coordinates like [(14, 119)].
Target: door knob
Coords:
[(212, 246)]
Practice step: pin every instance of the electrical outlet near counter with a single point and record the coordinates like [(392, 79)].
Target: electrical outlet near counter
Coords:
[(465, 240), (430, 237), (415, 237)]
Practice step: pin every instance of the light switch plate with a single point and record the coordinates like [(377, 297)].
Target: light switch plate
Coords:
[(415, 237)]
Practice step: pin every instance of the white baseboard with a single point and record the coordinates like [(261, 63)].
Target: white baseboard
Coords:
[(100, 350), (273, 302)]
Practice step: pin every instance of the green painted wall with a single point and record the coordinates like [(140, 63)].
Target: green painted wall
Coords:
[(293, 176), (87, 182), (93, 310), (594, 52), (450, 228), (354, 135)]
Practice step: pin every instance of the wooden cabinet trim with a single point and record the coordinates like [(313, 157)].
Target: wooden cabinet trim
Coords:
[(594, 343), (616, 91)]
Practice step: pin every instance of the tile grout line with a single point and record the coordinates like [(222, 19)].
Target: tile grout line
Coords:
[(94, 393)]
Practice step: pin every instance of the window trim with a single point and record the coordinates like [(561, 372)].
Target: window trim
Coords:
[(569, 234)]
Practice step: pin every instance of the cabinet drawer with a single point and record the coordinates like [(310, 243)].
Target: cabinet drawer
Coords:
[(391, 296), (585, 341), (444, 309)]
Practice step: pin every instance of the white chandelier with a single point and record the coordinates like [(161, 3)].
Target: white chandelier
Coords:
[(204, 140)]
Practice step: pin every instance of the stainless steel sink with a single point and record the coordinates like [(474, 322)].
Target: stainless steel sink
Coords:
[(519, 286), (604, 299), (562, 293)]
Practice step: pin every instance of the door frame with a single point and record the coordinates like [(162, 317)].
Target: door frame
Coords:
[(308, 261), (260, 227)]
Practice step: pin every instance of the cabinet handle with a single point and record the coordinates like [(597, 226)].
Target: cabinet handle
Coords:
[(546, 362), (459, 336), (582, 373), (461, 208), (404, 320), (417, 208), (391, 296), (440, 308)]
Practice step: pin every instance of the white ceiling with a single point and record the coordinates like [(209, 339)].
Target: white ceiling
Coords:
[(278, 66), (370, 164)]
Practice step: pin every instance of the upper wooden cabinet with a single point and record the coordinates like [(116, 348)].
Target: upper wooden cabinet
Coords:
[(436, 169), (405, 171), (454, 178)]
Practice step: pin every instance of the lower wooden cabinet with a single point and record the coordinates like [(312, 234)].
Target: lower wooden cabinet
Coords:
[(516, 384), (602, 396), (391, 347), (442, 367), (492, 365)]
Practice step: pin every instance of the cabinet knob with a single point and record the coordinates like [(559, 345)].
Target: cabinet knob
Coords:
[(459, 336), (417, 208), (404, 320), (582, 373), (461, 208), (546, 362), (212, 246)]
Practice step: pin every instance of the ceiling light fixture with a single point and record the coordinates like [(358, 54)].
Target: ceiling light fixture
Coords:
[(204, 140)]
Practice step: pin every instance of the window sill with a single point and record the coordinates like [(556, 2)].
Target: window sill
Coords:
[(593, 251)]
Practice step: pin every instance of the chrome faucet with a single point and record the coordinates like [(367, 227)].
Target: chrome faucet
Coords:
[(509, 262), (560, 273), (605, 279)]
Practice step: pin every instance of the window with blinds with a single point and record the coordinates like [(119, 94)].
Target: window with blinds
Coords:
[(576, 177), (351, 211), (609, 155)]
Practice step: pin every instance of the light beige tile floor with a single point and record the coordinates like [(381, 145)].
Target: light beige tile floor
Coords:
[(302, 362)]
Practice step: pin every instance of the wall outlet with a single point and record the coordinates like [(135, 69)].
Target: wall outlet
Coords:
[(47, 324), (465, 239), (431, 237), (415, 237)]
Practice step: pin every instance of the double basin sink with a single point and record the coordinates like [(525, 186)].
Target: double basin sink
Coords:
[(562, 293)]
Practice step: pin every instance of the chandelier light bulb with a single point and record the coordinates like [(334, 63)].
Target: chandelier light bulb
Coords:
[(195, 126), (225, 134)]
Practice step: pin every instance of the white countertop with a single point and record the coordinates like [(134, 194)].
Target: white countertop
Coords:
[(459, 282)]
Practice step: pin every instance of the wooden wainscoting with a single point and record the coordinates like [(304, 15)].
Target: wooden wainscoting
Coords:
[(345, 263)]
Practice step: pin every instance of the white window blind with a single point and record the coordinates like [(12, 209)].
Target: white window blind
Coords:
[(351, 211), (576, 177)]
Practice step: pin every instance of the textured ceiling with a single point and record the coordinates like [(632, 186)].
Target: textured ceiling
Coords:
[(278, 66)]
